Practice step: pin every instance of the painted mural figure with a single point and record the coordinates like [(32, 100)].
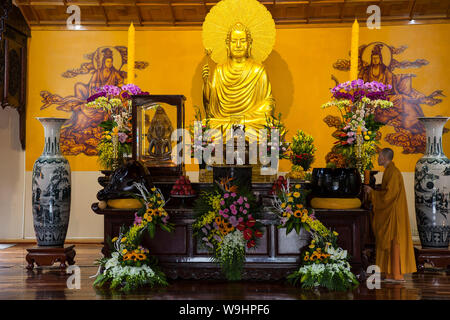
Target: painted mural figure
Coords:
[(379, 66), (81, 134)]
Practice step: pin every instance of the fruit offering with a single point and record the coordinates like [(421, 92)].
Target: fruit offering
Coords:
[(182, 187), (297, 173), (278, 185)]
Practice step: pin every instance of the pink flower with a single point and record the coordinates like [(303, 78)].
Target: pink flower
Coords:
[(233, 221), (137, 219), (233, 194), (222, 203), (240, 200), (226, 195), (247, 205)]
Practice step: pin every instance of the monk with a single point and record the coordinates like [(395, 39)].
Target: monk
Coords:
[(393, 241)]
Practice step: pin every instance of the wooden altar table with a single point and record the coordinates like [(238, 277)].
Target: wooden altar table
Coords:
[(181, 256)]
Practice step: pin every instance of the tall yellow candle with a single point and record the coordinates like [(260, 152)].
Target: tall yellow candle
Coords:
[(131, 50), (354, 51)]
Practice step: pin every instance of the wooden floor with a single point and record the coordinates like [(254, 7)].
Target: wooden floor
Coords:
[(16, 282)]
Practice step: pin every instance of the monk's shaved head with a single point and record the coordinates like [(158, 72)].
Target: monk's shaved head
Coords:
[(388, 153)]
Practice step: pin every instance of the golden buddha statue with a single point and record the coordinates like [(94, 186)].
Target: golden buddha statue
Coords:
[(239, 91)]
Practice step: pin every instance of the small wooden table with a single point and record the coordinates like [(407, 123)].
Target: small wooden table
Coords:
[(47, 256), (437, 258)]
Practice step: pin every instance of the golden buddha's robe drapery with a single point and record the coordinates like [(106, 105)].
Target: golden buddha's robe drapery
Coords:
[(391, 222), (240, 92)]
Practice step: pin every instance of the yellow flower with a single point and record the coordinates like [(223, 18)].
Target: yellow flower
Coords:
[(283, 205), (114, 239), (369, 132), (289, 194), (303, 218), (311, 246), (149, 219), (289, 215), (115, 130), (141, 256), (299, 206), (296, 194), (124, 251), (366, 138), (297, 186), (146, 216), (297, 214), (335, 233), (123, 239), (108, 137), (290, 199), (153, 189)]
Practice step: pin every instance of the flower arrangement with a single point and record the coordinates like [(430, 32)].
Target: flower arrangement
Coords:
[(226, 222), (282, 147), (323, 263), (290, 204), (116, 136), (302, 154), (131, 265), (357, 102)]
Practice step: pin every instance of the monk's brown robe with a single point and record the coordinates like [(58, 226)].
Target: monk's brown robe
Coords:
[(391, 221)]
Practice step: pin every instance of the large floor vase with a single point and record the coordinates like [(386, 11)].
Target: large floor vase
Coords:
[(432, 188), (51, 188)]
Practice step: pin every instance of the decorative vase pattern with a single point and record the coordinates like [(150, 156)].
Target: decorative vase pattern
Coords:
[(432, 188), (51, 188)]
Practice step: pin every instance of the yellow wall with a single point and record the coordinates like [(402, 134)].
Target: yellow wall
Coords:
[(299, 68)]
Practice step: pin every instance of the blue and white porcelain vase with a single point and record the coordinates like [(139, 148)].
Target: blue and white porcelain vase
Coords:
[(51, 188), (432, 188)]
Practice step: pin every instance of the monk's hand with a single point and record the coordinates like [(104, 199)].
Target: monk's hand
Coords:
[(205, 73), (367, 189)]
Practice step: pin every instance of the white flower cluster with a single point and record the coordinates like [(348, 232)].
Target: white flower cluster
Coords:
[(337, 253), (122, 120), (315, 270), (142, 272), (232, 241)]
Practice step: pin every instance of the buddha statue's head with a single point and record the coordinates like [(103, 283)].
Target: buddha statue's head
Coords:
[(239, 41)]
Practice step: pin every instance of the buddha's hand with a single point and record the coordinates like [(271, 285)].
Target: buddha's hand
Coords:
[(205, 73)]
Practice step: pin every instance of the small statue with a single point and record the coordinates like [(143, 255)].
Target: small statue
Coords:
[(158, 136)]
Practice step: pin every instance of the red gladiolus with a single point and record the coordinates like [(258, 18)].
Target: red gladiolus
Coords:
[(258, 234), (251, 222), (247, 234), (251, 244), (241, 226)]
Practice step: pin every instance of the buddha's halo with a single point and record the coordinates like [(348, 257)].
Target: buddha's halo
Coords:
[(252, 14)]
